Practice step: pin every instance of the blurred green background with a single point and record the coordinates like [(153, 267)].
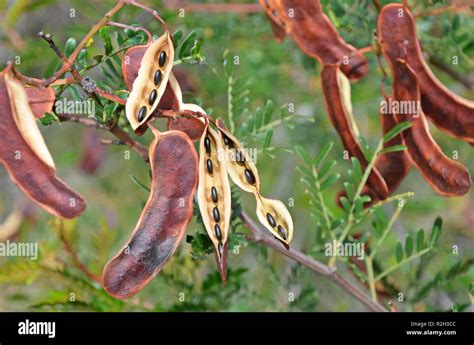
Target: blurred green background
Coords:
[(260, 280)]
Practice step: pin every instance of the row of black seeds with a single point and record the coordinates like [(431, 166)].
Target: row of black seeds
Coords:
[(154, 93), (273, 224), (215, 211)]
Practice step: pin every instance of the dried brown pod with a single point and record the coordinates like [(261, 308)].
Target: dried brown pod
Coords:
[(446, 176), (315, 34), (26, 157), (336, 89), (449, 112), (164, 219), (393, 166), (150, 83), (273, 214), (41, 100), (214, 195)]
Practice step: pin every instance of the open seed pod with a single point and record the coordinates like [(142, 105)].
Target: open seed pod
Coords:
[(214, 195), (150, 84), (337, 99), (273, 214), (25, 155)]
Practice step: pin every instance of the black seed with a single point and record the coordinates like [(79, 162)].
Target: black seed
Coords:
[(216, 215), (162, 59), (282, 232), (153, 96), (220, 246), (157, 78), (249, 176), (214, 194), (207, 145), (218, 232), (227, 142), (209, 166), (271, 220), (141, 113), (239, 157)]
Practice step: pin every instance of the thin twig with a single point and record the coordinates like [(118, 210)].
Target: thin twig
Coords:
[(118, 132), (312, 264), (74, 256)]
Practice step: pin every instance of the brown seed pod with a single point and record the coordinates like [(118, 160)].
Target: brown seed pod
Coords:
[(449, 112), (150, 84), (393, 166), (214, 195), (41, 100), (336, 89), (273, 214), (26, 157), (315, 34), (164, 219), (447, 177)]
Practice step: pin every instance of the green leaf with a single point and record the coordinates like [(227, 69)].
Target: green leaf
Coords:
[(105, 35), (304, 155), (71, 44), (349, 190), (408, 246), (325, 169), (268, 139), (396, 131), (139, 183), (420, 240), (186, 44), (177, 35), (330, 181), (346, 204), (323, 153), (268, 112), (436, 231), (357, 169), (48, 119), (399, 251), (395, 148)]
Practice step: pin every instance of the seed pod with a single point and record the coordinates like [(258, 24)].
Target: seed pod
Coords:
[(393, 166), (214, 195), (26, 156), (41, 100), (446, 176), (336, 89), (449, 112), (314, 33), (137, 107), (245, 175), (164, 219)]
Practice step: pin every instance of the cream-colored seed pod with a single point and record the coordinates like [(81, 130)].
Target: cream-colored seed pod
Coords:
[(214, 196), (150, 84), (26, 121), (273, 214)]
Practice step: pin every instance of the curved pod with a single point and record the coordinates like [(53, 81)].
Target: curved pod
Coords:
[(164, 219), (214, 196), (446, 176), (150, 83), (449, 112), (26, 157), (336, 89)]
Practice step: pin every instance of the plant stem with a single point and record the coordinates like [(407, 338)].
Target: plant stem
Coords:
[(401, 263), (350, 218), (386, 231), (370, 277), (314, 265)]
